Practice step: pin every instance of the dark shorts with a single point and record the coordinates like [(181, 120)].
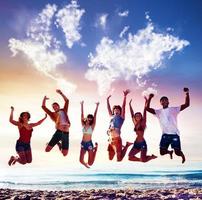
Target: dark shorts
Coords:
[(60, 136), (168, 139), (87, 145), (140, 145), (21, 146)]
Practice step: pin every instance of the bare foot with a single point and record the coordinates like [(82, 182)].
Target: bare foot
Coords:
[(12, 159), (171, 154), (96, 146), (128, 143), (183, 159), (153, 156), (85, 164)]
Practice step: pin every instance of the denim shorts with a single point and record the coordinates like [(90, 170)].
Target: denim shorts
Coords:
[(140, 145), (168, 139), (87, 145), (60, 136), (21, 146)]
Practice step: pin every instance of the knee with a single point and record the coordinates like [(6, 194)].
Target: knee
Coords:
[(162, 152), (64, 153), (29, 160), (47, 149), (23, 161), (90, 163), (119, 157), (143, 160)]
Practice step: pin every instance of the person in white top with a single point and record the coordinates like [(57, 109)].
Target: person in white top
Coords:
[(167, 117)]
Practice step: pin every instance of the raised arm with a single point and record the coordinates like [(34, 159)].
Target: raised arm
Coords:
[(45, 108), (126, 92), (187, 100), (39, 122), (82, 113), (108, 106), (66, 105), (131, 109), (145, 111), (11, 118), (95, 114), (151, 110)]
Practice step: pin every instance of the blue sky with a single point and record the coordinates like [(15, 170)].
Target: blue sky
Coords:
[(182, 16), (174, 24)]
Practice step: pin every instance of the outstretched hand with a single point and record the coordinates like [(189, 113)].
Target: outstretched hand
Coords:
[(46, 98), (82, 102), (151, 96), (12, 108), (109, 97), (59, 91), (186, 89), (97, 103), (126, 92)]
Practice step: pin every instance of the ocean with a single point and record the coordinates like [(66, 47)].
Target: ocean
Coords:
[(63, 180)]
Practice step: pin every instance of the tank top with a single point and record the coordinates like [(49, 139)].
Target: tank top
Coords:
[(25, 135), (88, 131)]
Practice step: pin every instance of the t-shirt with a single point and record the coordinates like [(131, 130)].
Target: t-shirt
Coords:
[(168, 119)]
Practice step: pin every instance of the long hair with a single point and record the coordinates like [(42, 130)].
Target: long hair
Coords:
[(21, 116), (91, 121), (116, 107), (139, 124)]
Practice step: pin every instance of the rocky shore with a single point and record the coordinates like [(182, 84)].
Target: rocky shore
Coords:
[(168, 194)]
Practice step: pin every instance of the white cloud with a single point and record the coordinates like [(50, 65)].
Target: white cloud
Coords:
[(68, 18), (123, 14), (41, 48), (135, 56), (148, 91), (103, 20), (40, 27), (125, 29)]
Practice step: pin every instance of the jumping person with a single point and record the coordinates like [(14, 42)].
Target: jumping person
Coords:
[(168, 121), (139, 143), (23, 147), (62, 124), (117, 114), (88, 125)]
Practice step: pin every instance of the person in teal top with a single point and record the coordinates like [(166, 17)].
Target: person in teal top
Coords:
[(117, 114), (88, 125)]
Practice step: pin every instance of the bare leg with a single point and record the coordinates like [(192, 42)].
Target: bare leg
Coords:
[(48, 148), (144, 157), (132, 153), (111, 152), (164, 151), (21, 158), (180, 153), (28, 156), (92, 154), (81, 159), (123, 152)]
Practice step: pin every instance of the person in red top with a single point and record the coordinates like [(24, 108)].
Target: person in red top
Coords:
[(23, 147), (62, 124)]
